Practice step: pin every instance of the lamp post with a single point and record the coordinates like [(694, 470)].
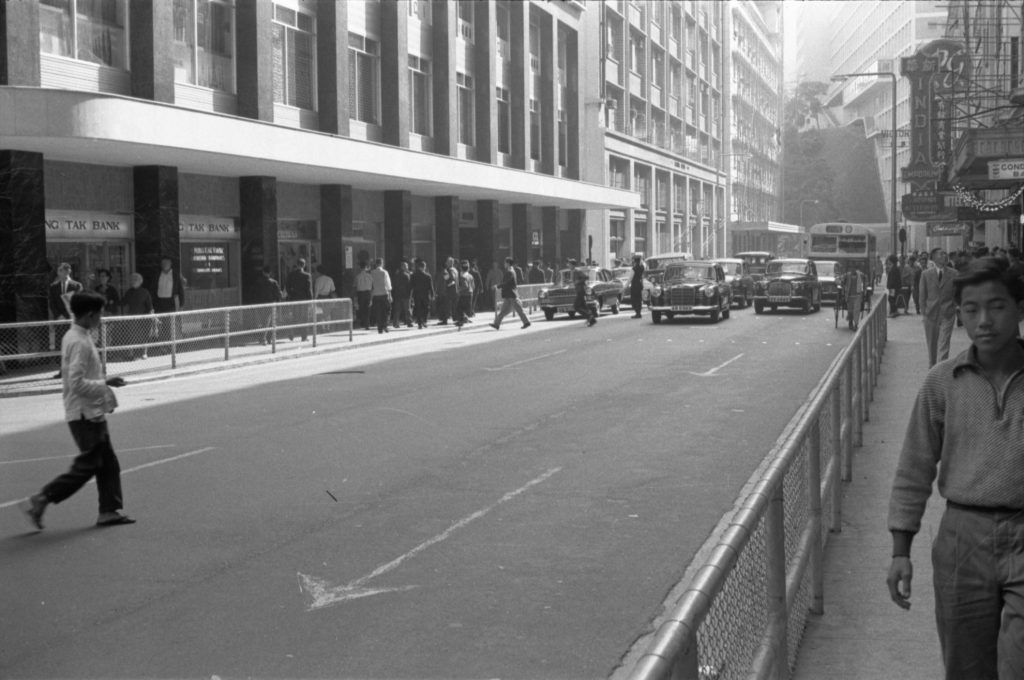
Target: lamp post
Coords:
[(838, 78), (812, 201), (725, 202)]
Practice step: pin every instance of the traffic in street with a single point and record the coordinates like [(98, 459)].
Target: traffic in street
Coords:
[(474, 504)]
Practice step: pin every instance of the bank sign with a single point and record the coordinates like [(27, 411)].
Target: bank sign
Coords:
[(74, 225), (1006, 168)]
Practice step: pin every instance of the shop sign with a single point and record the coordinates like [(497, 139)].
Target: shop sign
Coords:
[(1007, 168), (202, 227), (939, 229), (79, 226), (929, 206)]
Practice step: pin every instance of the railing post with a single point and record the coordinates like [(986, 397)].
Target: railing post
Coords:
[(273, 329), (848, 419), (351, 318), (814, 562), (775, 535), (311, 312), (103, 341), (173, 320), (836, 521), (687, 666), (227, 333), (859, 405)]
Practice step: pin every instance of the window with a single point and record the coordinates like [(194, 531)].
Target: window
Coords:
[(563, 139), (419, 96), (504, 120), (535, 129), (204, 43), (467, 111), (614, 38), (617, 236), (294, 58), (88, 30), (364, 78), (466, 19), (636, 54), (420, 9)]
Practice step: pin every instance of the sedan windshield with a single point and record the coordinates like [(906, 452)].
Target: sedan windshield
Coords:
[(776, 267), (733, 268), (826, 268), (689, 272)]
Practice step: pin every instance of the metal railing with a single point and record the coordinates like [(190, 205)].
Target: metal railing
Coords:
[(131, 344), (744, 609)]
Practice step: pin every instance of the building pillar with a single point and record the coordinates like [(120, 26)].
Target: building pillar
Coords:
[(19, 44), (485, 66), (255, 59), (487, 218), (446, 230), (521, 232), (574, 107), (397, 226), (394, 73), (519, 96), (258, 231), (151, 50), (549, 234), (156, 220), (445, 91), (332, 66), (335, 224), (548, 94), (572, 238), (23, 236)]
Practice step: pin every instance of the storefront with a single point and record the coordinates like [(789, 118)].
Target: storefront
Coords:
[(210, 256), (90, 241), (297, 239)]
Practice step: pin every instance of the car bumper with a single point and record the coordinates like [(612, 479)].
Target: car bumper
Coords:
[(682, 309), (781, 300)]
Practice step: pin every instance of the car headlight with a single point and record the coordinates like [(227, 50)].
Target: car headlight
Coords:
[(709, 291), (656, 291), (543, 294)]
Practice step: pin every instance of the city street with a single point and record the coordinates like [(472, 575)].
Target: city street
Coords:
[(476, 504)]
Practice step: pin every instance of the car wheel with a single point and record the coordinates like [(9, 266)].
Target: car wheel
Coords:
[(714, 315), (549, 314), (805, 306), (616, 305), (742, 302), (774, 308), (656, 317), (758, 307), (572, 314)]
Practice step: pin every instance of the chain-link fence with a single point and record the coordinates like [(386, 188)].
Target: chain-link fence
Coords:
[(135, 344), (743, 612)]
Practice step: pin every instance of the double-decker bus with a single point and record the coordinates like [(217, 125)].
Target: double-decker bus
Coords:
[(845, 242)]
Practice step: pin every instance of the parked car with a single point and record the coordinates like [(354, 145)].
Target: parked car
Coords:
[(757, 262), (737, 273), (625, 274), (693, 287), (788, 282), (603, 290), (827, 279)]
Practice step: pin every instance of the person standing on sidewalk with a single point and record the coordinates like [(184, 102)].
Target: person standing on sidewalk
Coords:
[(967, 426), (510, 297), (299, 287), (87, 400), (937, 306), (636, 286), (364, 288), (422, 285), (380, 294)]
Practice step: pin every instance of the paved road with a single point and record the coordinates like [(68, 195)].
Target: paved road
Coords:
[(478, 504)]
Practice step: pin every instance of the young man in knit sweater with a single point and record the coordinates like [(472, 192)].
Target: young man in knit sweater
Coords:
[(967, 427)]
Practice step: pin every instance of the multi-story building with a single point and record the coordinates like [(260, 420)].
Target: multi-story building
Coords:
[(235, 134), (870, 36), (658, 88)]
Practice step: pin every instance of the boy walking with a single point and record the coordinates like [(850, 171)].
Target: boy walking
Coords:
[(966, 429), (87, 400)]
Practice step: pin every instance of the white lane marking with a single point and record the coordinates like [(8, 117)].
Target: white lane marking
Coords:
[(708, 374), (71, 455), (525, 361), (323, 594), (125, 471)]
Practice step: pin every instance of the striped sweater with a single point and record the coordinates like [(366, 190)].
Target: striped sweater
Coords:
[(977, 434)]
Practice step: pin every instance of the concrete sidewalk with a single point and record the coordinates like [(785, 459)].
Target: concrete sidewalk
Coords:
[(862, 633)]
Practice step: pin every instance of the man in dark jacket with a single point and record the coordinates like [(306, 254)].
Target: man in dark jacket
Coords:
[(299, 286), (401, 289), (421, 285)]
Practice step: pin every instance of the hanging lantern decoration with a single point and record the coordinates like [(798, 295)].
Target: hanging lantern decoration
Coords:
[(968, 199)]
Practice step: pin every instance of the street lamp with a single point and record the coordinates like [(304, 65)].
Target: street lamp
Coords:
[(892, 191), (725, 201), (812, 201)]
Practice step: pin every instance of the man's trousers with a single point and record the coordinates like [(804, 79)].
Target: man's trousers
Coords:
[(96, 458)]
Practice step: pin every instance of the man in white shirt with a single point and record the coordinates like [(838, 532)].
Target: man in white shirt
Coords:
[(380, 295), (87, 400)]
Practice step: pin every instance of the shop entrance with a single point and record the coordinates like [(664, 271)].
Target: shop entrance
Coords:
[(289, 253), (86, 257)]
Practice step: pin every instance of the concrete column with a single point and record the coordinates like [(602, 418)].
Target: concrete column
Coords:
[(258, 201), (332, 66), (486, 234), (151, 51), (519, 104), (335, 223), (485, 61), (548, 94), (521, 233), (572, 239), (23, 237), (574, 107), (445, 91), (446, 229), (394, 73), (255, 59), (549, 234), (156, 220), (19, 44), (397, 226)]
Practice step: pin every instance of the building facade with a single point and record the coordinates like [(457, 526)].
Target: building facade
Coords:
[(230, 135)]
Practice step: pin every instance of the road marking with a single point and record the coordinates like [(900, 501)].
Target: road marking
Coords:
[(525, 361), (71, 455), (708, 374), (323, 594), (125, 471)]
